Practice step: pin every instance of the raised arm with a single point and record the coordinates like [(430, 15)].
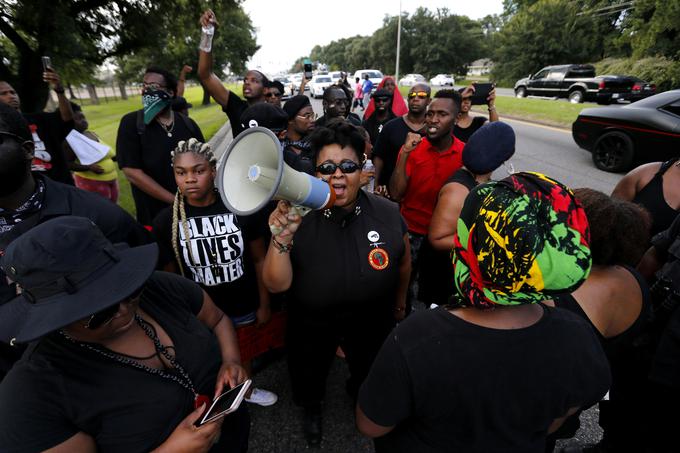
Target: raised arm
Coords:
[(208, 79), (181, 81), (399, 179), (445, 216), (65, 110)]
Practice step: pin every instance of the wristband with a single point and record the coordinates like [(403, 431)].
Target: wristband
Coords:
[(282, 248), (492, 108), (207, 34), (59, 90)]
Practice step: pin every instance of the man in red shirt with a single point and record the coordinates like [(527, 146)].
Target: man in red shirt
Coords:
[(423, 165)]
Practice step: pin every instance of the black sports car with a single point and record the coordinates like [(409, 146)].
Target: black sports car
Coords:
[(645, 131)]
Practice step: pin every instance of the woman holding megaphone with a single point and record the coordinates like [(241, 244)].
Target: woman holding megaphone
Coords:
[(346, 270)]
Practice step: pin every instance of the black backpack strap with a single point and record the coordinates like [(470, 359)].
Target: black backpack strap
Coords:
[(141, 127), (190, 125)]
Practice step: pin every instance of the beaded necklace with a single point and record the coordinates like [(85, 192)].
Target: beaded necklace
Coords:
[(182, 377)]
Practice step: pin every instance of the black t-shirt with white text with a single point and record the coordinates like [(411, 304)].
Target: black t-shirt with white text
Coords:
[(150, 152), (216, 254), (234, 109), (49, 156), (374, 126), (387, 146)]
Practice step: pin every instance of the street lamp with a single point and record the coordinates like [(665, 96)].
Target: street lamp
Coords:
[(396, 69)]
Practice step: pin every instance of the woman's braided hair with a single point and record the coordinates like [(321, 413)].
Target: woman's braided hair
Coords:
[(178, 212)]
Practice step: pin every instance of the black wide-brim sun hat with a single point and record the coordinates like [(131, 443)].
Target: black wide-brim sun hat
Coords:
[(68, 271)]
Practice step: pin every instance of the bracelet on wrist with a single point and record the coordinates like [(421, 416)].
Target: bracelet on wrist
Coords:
[(282, 248), (492, 108), (59, 90)]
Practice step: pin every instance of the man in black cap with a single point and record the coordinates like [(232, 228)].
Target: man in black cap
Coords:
[(276, 120), (383, 113), (273, 93), (254, 82), (181, 105), (28, 199), (394, 133), (336, 105), (301, 123)]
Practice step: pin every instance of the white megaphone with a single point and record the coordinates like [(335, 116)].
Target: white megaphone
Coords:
[(252, 172)]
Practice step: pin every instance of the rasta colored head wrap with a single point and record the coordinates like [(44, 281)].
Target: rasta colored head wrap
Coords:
[(520, 241)]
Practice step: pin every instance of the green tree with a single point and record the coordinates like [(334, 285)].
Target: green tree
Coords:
[(88, 31), (81, 34), (177, 42), (653, 28), (549, 32)]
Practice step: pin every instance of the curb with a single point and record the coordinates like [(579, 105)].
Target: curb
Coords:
[(526, 120), (221, 140)]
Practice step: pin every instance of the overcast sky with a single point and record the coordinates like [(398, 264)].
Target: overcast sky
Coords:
[(288, 29)]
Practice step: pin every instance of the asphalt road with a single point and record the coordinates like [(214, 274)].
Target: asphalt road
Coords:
[(278, 429)]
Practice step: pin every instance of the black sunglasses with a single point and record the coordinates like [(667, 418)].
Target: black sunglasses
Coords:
[(11, 135), (270, 94), (346, 166), (106, 315)]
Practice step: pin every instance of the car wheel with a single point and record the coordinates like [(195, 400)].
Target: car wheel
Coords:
[(521, 92), (576, 97), (613, 152)]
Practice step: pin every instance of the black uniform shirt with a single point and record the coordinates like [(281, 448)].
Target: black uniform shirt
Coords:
[(348, 262)]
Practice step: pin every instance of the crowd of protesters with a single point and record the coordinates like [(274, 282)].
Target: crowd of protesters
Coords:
[(474, 315)]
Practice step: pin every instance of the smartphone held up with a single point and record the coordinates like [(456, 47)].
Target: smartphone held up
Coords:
[(482, 92)]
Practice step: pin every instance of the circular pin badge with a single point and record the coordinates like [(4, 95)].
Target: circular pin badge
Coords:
[(378, 259), (373, 236), (252, 123)]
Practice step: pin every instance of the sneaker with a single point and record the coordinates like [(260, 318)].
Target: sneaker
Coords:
[(262, 397)]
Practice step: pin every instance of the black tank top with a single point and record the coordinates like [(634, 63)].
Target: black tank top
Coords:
[(651, 198), (617, 346)]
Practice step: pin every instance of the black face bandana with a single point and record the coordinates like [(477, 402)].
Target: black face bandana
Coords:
[(13, 164), (154, 103)]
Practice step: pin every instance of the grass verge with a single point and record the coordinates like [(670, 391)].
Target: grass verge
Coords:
[(104, 119), (544, 111)]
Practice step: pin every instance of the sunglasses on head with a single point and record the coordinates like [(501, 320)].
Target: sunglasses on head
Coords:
[(419, 94), (106, 315), (346, 166)]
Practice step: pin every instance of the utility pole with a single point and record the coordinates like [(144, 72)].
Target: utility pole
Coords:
[(396, 69)]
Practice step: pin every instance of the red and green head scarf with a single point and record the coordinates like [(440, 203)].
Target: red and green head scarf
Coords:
[(520, 241)]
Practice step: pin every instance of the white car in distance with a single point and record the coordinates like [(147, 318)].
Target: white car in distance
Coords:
[(318, 85), (411, 79), (374, 76), (442, 80)]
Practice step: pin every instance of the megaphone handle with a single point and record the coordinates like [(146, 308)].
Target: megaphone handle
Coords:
[(294, 209)]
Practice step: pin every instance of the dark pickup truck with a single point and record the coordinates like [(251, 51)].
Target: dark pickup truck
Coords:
[(578, 83)]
